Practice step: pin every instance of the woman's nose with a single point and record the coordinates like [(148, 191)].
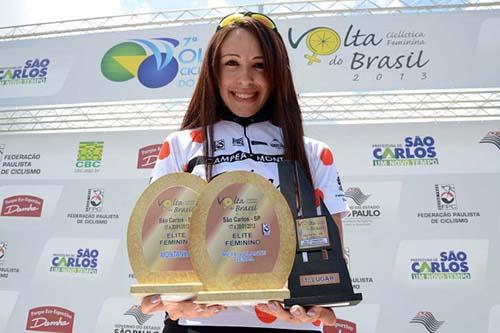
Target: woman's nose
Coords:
[(246, 75)]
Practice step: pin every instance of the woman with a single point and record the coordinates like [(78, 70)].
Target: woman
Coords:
[(244, 115)]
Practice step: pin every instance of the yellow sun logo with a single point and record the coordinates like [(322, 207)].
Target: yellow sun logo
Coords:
[(321, 41), (227, 202), (167, 204)]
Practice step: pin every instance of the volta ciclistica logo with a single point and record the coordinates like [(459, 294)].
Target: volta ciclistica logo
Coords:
[(153, 62)]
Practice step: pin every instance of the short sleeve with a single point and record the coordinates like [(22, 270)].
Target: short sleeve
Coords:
[(169, 158), (326, 178)]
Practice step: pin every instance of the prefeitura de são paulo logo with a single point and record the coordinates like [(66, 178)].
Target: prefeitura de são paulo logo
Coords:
[(151, 61)]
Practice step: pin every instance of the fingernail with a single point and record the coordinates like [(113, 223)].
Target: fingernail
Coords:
[(311, 313), (199, 309), (273, 306), (155, 299), (295, 311)]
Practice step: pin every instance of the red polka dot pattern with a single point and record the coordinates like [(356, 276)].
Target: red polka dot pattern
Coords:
[(165, 151), (197, 136), (318, 194), (326, 156), (264, 316)]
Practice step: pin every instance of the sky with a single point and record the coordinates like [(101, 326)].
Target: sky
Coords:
[(20, 12)]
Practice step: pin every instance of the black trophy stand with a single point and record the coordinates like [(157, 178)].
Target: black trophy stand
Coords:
[(323, 261)]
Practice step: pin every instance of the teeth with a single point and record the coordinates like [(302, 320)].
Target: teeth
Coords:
[(244, 96)]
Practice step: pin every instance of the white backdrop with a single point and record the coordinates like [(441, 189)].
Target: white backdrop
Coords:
[(361, 53), (398, 222)]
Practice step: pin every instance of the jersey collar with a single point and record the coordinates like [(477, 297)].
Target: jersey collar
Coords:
[(262, 115)]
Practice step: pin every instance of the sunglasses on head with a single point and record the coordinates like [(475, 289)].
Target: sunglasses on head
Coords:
[(235, 17)]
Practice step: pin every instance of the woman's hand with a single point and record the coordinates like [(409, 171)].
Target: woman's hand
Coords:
[(186, 309), (297, 314)]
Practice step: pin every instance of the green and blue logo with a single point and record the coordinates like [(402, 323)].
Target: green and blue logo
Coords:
[(152, 62)]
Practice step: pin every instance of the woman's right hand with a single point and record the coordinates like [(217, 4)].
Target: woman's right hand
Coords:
[(185, 309)]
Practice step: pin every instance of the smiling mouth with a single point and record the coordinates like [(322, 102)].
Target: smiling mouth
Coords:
[(242, 97)]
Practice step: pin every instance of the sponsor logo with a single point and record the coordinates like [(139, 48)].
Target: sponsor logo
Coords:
[(89, 156), (356, 195), (355, 49), (427, 319), (32, 71), (276, 144), (447, 208), (18, 164), (219, 145), (50, 319), (22, 206), (341, 326), (147, 156), (95, 197), (138, 324), (446, 196), (84, 261), (363, 212), (5, 271), (155, 62), (493, 138), (415, 151), (3, 250), (450, 265), (135, 311), (238, 142)]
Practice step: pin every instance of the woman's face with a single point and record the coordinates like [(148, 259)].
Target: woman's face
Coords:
[(243, 85)]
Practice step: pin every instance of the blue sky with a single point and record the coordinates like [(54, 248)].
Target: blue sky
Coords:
[(18, 12)]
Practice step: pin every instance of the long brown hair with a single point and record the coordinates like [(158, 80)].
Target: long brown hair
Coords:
[(282, 104)]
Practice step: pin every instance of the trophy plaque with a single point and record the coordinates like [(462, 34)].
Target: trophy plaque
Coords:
[(319, 275), (242, 241), (158, 236)]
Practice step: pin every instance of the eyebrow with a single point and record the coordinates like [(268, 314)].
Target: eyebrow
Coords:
[(237, 55)]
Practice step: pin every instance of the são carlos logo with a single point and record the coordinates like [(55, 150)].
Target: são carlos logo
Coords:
[(321, 41), (151, 61)]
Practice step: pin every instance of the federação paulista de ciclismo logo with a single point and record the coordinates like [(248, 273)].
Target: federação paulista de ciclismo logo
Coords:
[(154, 62)]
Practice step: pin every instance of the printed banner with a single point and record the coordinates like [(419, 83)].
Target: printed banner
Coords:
[(328, 54)]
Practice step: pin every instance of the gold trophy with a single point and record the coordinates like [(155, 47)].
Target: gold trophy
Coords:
[(242, 241), (158, 235)]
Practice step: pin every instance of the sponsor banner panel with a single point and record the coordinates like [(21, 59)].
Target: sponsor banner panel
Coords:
[(33, 204), (70, 259), (368, 264), (360, 53), (494, 322), (374, 207), (455, 205), (412, 148), (102, 207), (9, 299), (69, 156), (442, 263), (119, 315)]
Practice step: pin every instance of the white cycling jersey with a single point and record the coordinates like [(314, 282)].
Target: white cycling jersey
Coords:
[(257, 146)]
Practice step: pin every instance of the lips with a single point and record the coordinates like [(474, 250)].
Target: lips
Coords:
[(245, 97)]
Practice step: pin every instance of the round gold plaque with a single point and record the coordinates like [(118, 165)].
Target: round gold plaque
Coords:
[(158, 236)]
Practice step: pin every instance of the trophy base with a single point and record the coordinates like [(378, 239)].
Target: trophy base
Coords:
[(325, 300), (241, 297), (169, 292)]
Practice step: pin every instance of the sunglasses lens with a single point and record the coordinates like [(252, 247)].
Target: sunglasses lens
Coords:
[(264, 20), (230, 19)]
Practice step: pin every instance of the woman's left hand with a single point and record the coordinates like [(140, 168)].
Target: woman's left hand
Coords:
[(298, 314)]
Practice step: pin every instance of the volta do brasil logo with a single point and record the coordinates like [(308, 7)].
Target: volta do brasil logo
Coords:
[(151, 61)]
